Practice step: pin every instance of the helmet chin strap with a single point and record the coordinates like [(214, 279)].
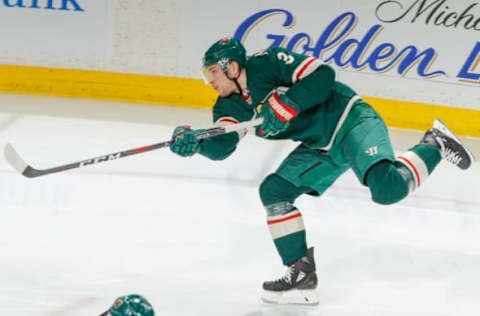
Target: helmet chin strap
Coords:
[(243, 93)]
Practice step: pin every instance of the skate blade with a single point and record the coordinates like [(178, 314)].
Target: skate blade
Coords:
[(438, 124), (292, 297)]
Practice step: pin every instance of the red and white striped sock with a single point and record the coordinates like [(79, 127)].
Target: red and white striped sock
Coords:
[(285, 224), (416, 165)]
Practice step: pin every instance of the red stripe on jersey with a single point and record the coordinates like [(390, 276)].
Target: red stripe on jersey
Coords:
[(275, 221), (417, 174), (228, 120), (304, 67)]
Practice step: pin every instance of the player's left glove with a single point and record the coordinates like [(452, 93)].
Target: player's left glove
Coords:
[(277, 112), (185, 142)]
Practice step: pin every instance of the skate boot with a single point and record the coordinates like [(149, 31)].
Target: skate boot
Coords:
[(451, 148), (297, 286)]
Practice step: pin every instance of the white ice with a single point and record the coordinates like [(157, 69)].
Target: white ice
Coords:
[(190, 234)]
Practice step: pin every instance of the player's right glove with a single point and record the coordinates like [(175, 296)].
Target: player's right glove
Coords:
[(277, 112), (185, 142)]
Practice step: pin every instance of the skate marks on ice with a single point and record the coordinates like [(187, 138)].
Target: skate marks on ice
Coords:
[(71, 306), (286, 310), (383, 278)]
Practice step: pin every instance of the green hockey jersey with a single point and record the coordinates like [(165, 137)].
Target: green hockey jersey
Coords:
[(324, 103)]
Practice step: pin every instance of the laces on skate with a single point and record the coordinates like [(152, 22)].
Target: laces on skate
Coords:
[(288, 275), (451, 156)]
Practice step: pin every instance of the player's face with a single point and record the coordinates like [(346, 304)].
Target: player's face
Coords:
[(219, 81)]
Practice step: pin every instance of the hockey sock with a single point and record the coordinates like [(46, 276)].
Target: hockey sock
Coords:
[(389, 182), (420, 161), (288, 231), (283, 218)]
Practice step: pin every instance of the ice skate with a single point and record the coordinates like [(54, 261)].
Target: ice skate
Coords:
[(297, 286), (451, 148)]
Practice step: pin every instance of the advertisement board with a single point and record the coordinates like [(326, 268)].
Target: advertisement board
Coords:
[(44, 31), (417, 50), (420, 51)]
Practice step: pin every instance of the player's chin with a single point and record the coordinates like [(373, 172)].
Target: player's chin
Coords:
[(223, 93)]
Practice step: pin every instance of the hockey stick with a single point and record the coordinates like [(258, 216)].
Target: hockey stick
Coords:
[(28, 171)]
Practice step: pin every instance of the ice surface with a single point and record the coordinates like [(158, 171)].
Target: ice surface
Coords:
[(190, 234)]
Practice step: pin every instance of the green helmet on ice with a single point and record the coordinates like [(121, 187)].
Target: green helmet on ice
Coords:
[(130, 305), (224, 51)]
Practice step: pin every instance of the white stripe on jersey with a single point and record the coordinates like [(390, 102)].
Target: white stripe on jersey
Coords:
[(306, 67), (341, 121), (228, 120)]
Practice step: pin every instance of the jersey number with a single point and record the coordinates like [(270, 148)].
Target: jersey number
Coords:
[(288, 59)]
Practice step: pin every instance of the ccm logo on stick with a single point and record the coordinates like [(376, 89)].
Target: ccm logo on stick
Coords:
[(99, 159)]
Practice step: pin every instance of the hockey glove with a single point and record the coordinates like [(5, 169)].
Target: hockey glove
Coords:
[(277, 112), (185, 142)]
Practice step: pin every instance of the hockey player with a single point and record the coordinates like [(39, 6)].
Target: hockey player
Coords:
[(130, 305), (299, 99)]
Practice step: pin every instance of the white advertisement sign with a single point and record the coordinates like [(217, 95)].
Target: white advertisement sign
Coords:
[(57, 27), (425, 51)]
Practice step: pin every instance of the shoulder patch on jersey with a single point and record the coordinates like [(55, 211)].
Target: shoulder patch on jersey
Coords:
[(260, 53)]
